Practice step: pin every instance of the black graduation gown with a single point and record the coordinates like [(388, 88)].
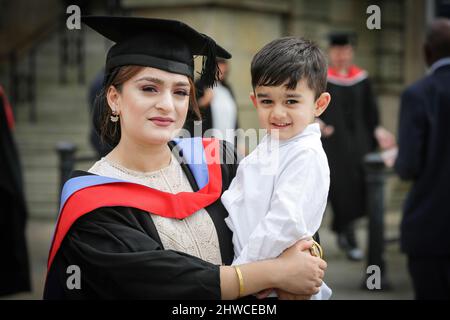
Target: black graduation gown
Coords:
[(14, 268), (121, 256), (353, 113)]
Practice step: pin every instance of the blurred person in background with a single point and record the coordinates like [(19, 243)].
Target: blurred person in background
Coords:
[(217, 106), (350, 129), (424, 158), (14, 269), (100, 147)]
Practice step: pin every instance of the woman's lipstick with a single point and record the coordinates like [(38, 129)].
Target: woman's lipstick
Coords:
[(161, 121)]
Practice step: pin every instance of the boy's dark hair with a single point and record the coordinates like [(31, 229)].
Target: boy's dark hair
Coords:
[(290, 59)]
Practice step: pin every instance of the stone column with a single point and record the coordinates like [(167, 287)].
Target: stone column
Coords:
[(415, 26)]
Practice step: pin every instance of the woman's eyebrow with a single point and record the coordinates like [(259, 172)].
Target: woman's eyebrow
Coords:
[(182, 84), (151, 79), (161, 82)]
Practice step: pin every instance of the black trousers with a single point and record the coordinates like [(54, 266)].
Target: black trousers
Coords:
[(430, 277)]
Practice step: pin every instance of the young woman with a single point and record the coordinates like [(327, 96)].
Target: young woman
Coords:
[(146, 221)]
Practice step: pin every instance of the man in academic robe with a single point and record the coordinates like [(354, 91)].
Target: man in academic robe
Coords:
[(14, 269), (350, 129)]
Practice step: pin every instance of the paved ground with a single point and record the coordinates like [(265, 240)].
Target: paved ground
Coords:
[(346, 277), (343, 276)]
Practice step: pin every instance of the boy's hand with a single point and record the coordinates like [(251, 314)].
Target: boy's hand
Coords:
[(264, 294), (284, 295)]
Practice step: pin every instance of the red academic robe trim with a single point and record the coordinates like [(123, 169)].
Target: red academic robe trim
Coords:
[(353, 76), (8, 110), (178, 206)]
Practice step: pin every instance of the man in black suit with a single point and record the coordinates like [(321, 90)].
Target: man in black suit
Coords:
[(424, 157)]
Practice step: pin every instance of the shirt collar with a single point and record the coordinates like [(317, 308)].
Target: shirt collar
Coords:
[(311, 129), (440, 63)]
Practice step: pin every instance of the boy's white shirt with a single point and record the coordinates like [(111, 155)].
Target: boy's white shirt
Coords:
[(278, 197)]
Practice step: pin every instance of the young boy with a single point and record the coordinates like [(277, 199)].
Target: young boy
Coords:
[(270, 210)]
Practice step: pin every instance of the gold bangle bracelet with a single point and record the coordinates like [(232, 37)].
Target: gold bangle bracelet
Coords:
[(241, 281)]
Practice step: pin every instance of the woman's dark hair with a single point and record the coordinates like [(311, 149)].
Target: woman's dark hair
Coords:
[(108, 131), (290, 59)]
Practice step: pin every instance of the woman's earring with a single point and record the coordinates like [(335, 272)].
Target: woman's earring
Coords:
[(115, 116)]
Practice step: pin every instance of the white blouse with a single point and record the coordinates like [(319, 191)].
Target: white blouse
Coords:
[(278, 196), (195, 235), (224, 113)]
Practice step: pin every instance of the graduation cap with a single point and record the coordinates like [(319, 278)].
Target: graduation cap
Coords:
[(163, 44), (342, 38)]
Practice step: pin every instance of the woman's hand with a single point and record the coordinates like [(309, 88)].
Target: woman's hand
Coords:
[(295, 272), (300, 273)]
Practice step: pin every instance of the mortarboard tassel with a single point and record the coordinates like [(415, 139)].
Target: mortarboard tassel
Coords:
[(210, 69)]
